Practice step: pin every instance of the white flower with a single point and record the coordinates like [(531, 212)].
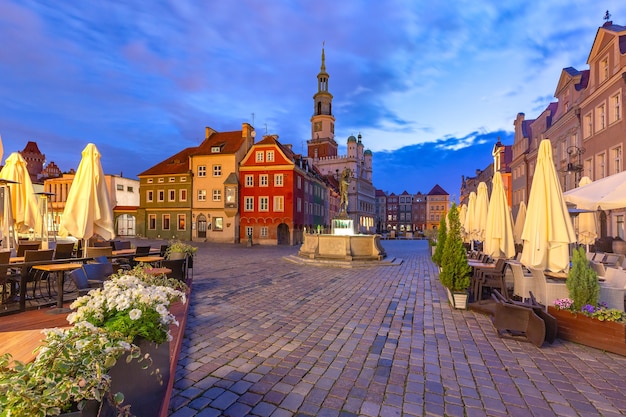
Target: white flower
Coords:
[(134, 314)]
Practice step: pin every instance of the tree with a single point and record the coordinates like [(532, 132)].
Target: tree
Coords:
[(582, 281), (455, 271), (441, 241)]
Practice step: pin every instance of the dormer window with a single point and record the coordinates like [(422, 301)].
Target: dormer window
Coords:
[(216, 149)]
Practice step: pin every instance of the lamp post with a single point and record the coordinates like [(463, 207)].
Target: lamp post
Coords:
[(575, 168)]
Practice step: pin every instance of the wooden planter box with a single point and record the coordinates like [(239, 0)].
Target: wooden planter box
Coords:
[(458, 299), (606, 335)]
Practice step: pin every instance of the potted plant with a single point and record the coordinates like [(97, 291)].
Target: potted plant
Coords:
[(68, 373), (179, 250), (455, 271), (85, 364)]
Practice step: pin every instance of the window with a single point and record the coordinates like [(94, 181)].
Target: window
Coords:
[(215, 149), (161, 195), (299, 205), (264, 203), (152, 221), (172, 179), (279, 203), (161, 180), (149, 196), (182, 195), (604, 69), (264, 231), (259, 156), (248, 204), (600, 166), (600, 117), (166, 222), (249, 180), (217, 170), (218, 223), (182, 220), (201, 195), (269, 156), (119, 187), (263, 180), (172, 194), (202, 170), (231, 195), (620, 226), (217, 195), (616, 108), (617, 159), (129, 189), (278, 180), (249, 230), (588, 126), (150, 181), (299, 183), (183, 179)]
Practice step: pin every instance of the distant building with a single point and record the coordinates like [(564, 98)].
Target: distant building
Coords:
[(381, 211), (437, 204), (419, 212), (322, 152)]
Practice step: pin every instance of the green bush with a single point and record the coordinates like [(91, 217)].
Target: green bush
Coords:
[(455, 271), (441, 241), (582, 281)]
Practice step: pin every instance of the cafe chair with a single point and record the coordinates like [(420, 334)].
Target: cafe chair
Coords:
[(522, 283), (547, 291), (5, 257), (34, 277), (64, 250), (490, 278), (122, 244), (98, 272), (178, 268), (95, 251), (613, 289), (517, 320), (82, 283), (25, 245)]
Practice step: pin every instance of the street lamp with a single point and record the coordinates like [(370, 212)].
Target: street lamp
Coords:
[(575, 168)]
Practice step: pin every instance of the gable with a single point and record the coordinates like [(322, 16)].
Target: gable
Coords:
[(605, 36)]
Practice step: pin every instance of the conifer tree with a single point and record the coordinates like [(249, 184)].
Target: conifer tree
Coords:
[(441, 241), (582, 281), (455, 271)]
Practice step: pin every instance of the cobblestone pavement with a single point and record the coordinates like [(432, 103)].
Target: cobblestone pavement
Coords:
[(266, 337)]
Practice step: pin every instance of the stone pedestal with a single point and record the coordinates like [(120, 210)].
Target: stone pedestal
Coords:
[(346, 248)]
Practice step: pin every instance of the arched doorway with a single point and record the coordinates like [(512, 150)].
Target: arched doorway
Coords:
[(125, 225), (282, 234), (201, 226)]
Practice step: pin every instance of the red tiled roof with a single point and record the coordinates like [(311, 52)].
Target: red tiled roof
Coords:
[(229, 142), (175, 164)]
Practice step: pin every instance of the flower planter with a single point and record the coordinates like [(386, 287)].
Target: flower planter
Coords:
[(458, 299), (142, 388), (606, 335)]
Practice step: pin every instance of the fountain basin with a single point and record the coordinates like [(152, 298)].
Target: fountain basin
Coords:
[(342, 247)]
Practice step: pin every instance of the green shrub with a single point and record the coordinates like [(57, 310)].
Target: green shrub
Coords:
[(455, 271), (582, 281), (441, 241)]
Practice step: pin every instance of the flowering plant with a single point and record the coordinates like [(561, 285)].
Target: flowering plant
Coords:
[(70, 369), (179, 246), (129, 305), (600, 312)]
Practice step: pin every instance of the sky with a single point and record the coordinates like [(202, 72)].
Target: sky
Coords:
[(429, 86)]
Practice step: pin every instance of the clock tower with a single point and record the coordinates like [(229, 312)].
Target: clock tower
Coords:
[(322, 143)]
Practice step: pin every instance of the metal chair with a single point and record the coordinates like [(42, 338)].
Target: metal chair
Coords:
[(82, 283), (34, 276), (5, 257), (178, 268), (25, 245), (490, 278), (64, 250)]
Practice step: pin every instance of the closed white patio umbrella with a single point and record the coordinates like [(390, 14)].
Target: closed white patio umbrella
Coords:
[(468, 224), (499, 231), (88, 208), (480, 213), (548, 227), (23, 198), (587, 228), (519, 223)]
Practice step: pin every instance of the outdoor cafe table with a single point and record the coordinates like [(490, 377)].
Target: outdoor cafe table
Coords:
[(158, 271), (123, 252), (56, 268), (16, 259), (561, 275), (149, 259)]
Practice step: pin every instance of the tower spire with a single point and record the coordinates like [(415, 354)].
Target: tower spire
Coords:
[(323, 67)]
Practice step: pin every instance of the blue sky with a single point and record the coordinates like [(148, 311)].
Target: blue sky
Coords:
[(429, 86)]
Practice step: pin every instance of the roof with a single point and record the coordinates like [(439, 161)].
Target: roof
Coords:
[(229, 143), (31, 147), (175, 164), (437, 190)]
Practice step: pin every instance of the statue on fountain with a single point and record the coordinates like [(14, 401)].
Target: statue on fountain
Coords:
[(344, 182)]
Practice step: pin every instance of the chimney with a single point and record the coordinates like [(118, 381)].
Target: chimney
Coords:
[(209, 132)]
